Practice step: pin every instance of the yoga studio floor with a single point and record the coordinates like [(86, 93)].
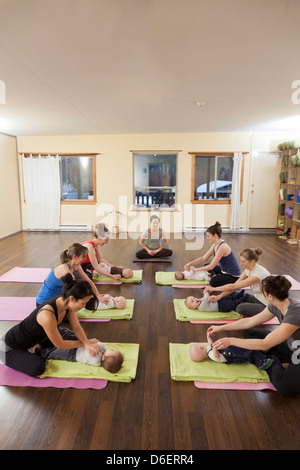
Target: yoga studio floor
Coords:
[(153, 412)]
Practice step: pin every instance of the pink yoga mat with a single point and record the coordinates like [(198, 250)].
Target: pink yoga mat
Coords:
[(13, 378), (273, 321), (235, 386), (18, 308), (31, 275), (35, 275), (295, 284)]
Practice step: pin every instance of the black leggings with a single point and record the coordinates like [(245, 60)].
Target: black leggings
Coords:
[(32, 364), (286, 381), (143, 254), (219, 278)]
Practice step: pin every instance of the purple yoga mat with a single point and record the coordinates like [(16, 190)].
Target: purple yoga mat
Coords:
[(34, 275), (18, 308), (235, 386), (31, 275), (13, 378), (295, 284)]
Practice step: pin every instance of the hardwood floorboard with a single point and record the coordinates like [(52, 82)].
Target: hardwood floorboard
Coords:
[(153, 412)]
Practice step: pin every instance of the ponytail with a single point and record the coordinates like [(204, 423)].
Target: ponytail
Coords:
[(215, 229), (250, 254), (75, 249), (79, 289)]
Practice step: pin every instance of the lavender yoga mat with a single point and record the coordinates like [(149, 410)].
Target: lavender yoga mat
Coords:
[(28, 275), (34, 275), (18, 308), (13, 378), (295, 284), (235, 386)]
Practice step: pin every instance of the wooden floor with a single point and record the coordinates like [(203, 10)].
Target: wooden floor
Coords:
[(153, 412)]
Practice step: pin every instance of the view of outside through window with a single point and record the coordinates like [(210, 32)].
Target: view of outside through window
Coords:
[(77, 178), (155, 180), (213, 177)]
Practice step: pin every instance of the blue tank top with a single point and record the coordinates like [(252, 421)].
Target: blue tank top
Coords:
[(229, 264), (52, 287)]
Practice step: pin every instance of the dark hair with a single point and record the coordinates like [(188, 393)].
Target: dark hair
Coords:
[(75, 249), (154, 217), (79, 289), (113, 363), (278, 286), (251, 254), (215, 229)]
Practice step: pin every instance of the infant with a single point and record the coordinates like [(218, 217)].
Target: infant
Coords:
[(110, 359), (124, 272), (230, 355), (225, 304), (202, 304), (112, 302), (192, 275)]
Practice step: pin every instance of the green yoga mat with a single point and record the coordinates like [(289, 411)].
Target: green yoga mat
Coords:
[(111, 313), (168, 279), (182, 368), (68, 370), (136, 279), (183, 313)]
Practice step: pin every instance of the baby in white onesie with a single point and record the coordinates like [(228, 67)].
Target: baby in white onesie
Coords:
[(192, 275), (112, 302), (110, 359)]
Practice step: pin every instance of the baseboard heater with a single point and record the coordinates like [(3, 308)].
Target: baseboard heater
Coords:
[(75, 228), (203, 229)]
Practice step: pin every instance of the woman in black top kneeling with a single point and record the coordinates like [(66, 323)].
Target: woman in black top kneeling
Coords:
[(20, 345)]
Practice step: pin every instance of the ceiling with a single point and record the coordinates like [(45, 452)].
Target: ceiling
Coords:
[(71, 67)]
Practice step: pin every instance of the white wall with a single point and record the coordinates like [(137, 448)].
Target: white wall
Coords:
[(9, 187), (115, 172)]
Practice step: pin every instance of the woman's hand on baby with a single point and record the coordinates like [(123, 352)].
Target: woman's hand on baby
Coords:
[(92, 348), (104, 298), (208, 289), (222, 343), (116, 276)]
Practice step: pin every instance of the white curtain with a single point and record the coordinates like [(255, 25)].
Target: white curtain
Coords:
[(42, 192), (236, 189)]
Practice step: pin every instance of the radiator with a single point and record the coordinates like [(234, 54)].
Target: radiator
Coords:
[(75, 228)]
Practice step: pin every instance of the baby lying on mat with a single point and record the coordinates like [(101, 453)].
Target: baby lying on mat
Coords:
[(110, 359), (192, 275), (112, 302), (230, 355), (124, 272), (225, 304)]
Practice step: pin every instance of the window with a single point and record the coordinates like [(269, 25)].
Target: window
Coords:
[(154, 180), (78, 175), (212, 177)]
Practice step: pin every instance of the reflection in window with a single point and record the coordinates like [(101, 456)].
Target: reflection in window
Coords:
[(154, 180), (213, 177), (77, 178)]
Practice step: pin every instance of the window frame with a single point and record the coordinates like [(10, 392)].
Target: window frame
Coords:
[(81, 201), (214, 154), (153, 152)]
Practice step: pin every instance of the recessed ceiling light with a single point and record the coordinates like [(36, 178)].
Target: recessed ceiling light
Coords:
[(201, 103)]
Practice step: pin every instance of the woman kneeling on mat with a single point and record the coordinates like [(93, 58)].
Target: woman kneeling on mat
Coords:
[(252, 276), (281, 344), (154, 241), (70, 263), (94, 262), (20, 345), (223, 267)]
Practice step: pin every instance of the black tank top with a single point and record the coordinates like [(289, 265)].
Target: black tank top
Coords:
[(28, 333)]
